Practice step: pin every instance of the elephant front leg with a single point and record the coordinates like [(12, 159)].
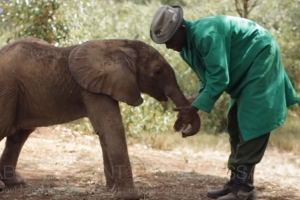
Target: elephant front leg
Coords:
[(110, 182), (105, 116), (9, 158)]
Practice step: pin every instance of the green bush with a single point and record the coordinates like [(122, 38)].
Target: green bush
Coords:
[(35, 18), (71, 22)]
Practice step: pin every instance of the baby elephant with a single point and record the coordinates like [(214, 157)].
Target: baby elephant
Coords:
[(43, 85)]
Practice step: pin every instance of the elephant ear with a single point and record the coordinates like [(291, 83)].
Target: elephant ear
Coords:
[(108, 68)]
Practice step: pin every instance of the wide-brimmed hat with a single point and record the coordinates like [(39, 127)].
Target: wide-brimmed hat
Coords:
[(165, 23)]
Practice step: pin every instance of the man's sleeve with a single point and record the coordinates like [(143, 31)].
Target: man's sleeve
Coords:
[(201, 86), (214, 54)]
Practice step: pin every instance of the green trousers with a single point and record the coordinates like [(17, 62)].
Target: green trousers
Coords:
[(244, 152)]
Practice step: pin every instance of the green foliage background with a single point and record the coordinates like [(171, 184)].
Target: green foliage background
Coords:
[(74, 21)]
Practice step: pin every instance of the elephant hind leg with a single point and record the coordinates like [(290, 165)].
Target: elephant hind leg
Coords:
[(9, 99), (9, 158)]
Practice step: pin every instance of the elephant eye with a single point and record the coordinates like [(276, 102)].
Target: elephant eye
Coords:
[(157, 72)]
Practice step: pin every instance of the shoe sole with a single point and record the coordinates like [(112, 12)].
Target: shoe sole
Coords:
[(215, 196)]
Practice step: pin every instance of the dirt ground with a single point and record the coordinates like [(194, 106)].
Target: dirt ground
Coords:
[(61, 164)]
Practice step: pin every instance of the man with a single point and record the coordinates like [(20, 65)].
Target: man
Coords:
[(239, 57)]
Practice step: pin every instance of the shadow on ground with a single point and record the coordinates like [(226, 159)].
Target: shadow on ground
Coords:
[(168, 185)]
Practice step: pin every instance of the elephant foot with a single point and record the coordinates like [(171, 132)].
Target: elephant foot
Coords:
[(110, 183), (2, 185), (129, 194), (13, 179), (109, 186)]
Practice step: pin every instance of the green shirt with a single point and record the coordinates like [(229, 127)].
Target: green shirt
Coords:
[(237, 56)]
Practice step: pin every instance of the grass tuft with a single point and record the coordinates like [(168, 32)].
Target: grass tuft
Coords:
[(174, 141), (286, 138)]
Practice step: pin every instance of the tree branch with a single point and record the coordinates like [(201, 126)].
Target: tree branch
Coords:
[(246, 5), (238, 8), (253, 5)]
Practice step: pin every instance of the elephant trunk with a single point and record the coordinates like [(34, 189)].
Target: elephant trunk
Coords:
[(179, 100)]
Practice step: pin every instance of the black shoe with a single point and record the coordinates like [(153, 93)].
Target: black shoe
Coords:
[(242, 187), (240, 192), (226, 189)]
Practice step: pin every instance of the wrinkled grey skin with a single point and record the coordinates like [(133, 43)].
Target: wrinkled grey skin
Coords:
[(43, 85)]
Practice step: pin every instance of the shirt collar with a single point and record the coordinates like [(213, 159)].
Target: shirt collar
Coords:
[(188, 26)]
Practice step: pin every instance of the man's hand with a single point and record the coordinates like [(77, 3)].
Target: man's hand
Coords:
[(191, 100), (185, 116)]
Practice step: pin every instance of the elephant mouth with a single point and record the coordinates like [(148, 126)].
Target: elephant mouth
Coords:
[(158, 94), (164, 98), (160, 97)]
